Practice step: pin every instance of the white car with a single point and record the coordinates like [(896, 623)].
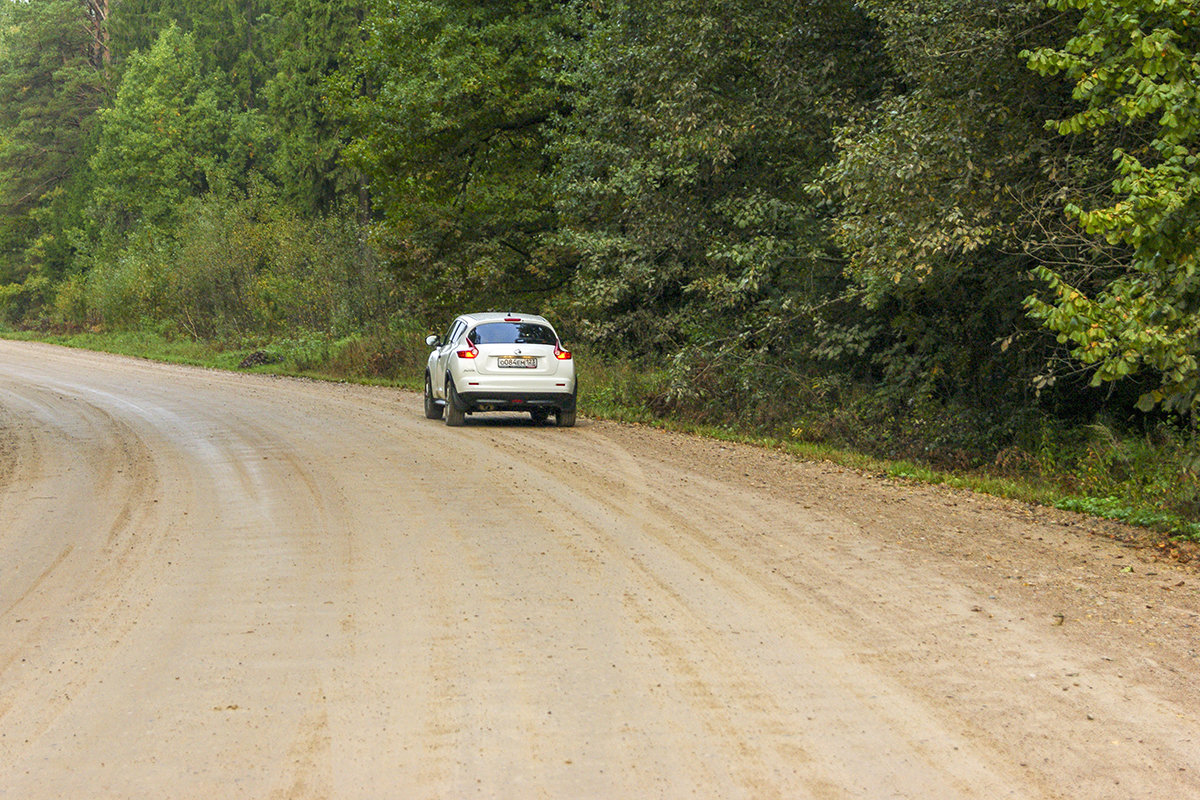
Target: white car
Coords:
[(500, 362)]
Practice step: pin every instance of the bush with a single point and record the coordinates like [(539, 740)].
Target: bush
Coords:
[(388, 352), (134, 284), (71, 307), (235, 268), (19, 302)]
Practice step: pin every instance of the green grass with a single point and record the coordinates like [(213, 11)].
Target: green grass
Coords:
[(138, 344), (1125, 479), (1120, 509)]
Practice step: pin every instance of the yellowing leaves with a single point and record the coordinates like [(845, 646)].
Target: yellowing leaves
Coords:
[(1131, 67)]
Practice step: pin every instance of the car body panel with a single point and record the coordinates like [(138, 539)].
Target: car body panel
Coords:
[(502, 362)]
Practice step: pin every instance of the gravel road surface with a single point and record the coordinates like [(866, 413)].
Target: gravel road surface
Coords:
[(221, 585)]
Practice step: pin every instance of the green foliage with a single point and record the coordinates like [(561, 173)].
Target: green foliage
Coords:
[(18, 300), (163, 208), (133, 286), (617, 388), (309, 39), (1121, 509), (1135, 65), (681, 169), (449, 104), (230, 36), (936, 188), (926, 178), (70, 308), (134, 25), (171, 134), (51, 81), (242, 266)]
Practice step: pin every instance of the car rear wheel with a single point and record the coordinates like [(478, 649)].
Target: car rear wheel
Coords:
[(564, 418), (455, 416), (432, 409)]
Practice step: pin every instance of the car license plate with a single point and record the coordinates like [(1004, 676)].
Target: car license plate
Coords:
[(517, 362)]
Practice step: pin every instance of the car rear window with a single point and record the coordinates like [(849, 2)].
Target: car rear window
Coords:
[(512, 333)]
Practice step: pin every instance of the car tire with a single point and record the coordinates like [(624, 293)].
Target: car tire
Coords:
[(455, 415), (432, 409), (564, 418)]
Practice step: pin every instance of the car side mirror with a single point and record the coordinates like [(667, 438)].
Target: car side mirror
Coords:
[(433, 340)]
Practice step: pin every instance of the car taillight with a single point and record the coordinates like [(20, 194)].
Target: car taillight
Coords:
[(560, 354), (472, 353)]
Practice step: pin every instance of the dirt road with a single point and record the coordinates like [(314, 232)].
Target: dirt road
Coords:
[(217, 585)]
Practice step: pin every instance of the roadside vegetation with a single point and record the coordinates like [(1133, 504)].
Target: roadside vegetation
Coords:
[(959, 237)]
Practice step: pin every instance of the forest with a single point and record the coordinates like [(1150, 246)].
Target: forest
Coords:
[(963, 232)]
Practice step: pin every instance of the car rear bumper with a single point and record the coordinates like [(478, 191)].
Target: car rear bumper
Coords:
[(515, 401)]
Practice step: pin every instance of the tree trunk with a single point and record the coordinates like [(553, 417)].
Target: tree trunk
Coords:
[(99, 53)]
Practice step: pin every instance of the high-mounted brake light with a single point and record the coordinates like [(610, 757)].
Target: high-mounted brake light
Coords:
[(472, 353), (560, 354), (512, 319)]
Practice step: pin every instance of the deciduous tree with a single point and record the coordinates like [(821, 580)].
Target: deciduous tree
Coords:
[(172, 133), (450, 104), (938, 186), (1135, 66), (682, 169)]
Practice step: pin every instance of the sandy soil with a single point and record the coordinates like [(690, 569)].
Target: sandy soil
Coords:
[(217, 585)]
